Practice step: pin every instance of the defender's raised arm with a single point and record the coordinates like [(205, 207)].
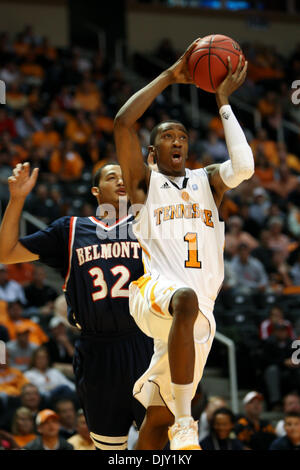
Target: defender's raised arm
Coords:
[(20, 185)]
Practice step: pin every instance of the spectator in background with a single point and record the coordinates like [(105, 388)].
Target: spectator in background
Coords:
[(276, 316), (33, 72), (38, 293), (78, 130), (290, 159), (293, 221), (27, 124), (249, 272), (213, 404), (222, 424), (250, 224), (280, 280), (291, 403), (255, 433), (10, 291), (15, 320), (87, 97), (20, 272), (236, 236), (295, 271), (50, 382), (228, 208), (47, 137), (43, 206), (47, 422), (29, 398), (294, 196), (20, 350), (281, 375), (66, 412), (60, 347), (259, 209), (226, 294), (292, 439), (16, 99), (7, 124), (278, 240), (264, 170), (283, 184), (10, 73), (23, 426), (11, 380), (262, 145), (81, 440), (215, 147), (66, 163), (263, 253)]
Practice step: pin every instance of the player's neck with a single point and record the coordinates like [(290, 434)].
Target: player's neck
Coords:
[(172, 175)]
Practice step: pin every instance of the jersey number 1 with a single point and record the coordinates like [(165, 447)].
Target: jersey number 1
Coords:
[(192, 261)]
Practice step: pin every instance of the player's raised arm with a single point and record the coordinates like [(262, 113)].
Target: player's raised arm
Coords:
[(20, 185), (135, 173), (240, 167)]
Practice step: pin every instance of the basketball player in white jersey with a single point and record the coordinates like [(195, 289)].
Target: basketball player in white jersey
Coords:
[(182, 239)]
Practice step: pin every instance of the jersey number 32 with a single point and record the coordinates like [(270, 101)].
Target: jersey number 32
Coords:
[(117, 289)]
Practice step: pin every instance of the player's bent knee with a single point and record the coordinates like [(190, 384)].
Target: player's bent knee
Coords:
[(184, 301), (109, 442)]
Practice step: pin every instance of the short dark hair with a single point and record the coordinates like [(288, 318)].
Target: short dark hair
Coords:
[(222, 411), (97, 175), (156, 129), (292, 414)]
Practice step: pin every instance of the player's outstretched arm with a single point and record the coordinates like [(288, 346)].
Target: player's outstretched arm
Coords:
[(240, 167), (20, 185), (135, 173)]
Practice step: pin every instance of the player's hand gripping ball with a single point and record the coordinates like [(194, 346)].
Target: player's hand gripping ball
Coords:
[(208, 62)]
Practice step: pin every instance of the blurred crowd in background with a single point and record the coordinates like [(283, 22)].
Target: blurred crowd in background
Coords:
[(60, 107)]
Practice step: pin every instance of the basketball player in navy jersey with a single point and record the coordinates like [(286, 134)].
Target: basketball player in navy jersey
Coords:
[(98, 259)]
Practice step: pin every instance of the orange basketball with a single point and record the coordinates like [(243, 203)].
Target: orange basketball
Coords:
[(208, 63)]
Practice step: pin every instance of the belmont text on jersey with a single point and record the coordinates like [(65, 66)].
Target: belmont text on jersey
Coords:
[(123, 249)]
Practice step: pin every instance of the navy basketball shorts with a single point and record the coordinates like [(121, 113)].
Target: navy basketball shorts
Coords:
[(106, 369)]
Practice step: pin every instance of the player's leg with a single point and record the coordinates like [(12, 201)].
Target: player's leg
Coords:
[(153, 433), (106, 395), (168, 312), (181, 348)]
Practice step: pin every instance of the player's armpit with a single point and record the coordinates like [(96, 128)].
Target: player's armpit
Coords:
[(19, 254), (216, 183), (135, 172)]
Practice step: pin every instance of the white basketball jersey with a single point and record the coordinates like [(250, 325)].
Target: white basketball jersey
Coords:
[(180, 232)]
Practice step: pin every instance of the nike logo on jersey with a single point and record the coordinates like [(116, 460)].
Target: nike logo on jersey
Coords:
[(165, 186)]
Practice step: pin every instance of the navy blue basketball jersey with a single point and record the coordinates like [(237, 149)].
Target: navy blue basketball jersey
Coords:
[(98, 262)]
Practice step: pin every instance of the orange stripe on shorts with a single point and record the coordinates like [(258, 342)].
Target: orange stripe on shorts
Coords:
[(154, 305), (141, 283)]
